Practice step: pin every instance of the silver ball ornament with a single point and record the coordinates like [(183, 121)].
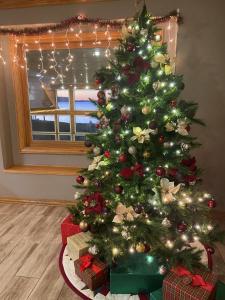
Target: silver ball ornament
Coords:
[(132, 150), (96, 150), (166, 222), (77, 195)]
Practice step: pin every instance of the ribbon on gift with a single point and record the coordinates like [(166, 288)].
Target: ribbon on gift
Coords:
[(87, 261), (196, 279)]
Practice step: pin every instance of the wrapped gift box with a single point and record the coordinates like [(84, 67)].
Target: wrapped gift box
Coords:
[(92, 271), (77, 245), (180, 284), (134, 274), (156, 295), (68, 228)]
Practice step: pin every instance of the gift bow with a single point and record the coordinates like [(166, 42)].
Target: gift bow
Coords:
[(196, 279), (87, 262)]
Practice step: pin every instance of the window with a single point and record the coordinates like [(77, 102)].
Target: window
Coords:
[(54, 82)]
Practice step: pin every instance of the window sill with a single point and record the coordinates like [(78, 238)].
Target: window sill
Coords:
[(43, 170), (54, 150)]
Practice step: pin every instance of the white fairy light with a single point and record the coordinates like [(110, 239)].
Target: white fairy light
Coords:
[(184, 237), (131, 250), (115, 251), (172, 84), (169, 244), (160, 72), (197, 226), (118, 78), (209, 227), (196, 238), (125, 90)]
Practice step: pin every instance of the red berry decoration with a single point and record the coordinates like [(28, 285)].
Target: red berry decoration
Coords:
[(161, 139), (173, 103), (80, 179), (101, 101), (211, 203), (160, 171), (130, 47), (182, 227), (118, 189), (107, 154), (122, 158)]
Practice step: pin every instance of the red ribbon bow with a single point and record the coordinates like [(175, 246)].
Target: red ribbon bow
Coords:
[(196, 279), (87, 262)]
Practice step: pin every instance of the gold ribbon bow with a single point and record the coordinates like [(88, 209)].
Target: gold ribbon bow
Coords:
[(124, 213), (141, 135), (168, 190)]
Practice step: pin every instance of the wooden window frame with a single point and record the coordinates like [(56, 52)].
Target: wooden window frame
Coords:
[(19, 75)]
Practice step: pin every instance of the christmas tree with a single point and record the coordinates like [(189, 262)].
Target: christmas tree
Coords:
[(141, 191)]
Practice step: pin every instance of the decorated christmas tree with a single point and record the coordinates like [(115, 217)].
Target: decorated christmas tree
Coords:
[(141, 191)]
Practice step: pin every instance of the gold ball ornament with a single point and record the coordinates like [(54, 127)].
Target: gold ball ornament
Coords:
[(86, 182), (109, 106), (146, 110), (160, 58), (99, 114), (83, 226), (140, 248), (146, 154), (168, 69)]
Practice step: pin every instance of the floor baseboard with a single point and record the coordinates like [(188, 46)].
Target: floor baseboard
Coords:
[(45, 202)]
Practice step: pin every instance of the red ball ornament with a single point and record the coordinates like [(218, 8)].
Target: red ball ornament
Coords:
[(80, 179), (98, 81), (107, 154), (101, 101), (173, 103), (211, 203), (101, 94), (160, 171), (161, 139), (122, 158), (181, 227), (97, 126), (118, 189)]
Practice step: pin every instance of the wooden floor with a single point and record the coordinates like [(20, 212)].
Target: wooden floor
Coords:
[(29, 247)]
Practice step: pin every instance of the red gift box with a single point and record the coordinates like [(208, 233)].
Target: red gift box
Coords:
[(180, 284), (92, 271), (68, 228)]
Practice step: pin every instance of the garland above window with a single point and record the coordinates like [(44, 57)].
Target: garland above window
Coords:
[(78, 20)]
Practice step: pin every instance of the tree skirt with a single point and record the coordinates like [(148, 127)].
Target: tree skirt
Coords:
[(66, 267)]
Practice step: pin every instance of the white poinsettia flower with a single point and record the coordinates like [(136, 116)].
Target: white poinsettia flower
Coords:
[(124, 213), (170, 126), (141, 135), (168, 190), (182, 126), (96, 163)]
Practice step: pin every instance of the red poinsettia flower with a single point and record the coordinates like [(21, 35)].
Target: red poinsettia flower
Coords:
[(190, 179), (141, 64), (138, 169), (126, 173), (94, 203), (133, 78), (190, 163)]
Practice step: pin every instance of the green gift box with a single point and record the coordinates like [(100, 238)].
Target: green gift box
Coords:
[(134, 274), (156, 295)]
